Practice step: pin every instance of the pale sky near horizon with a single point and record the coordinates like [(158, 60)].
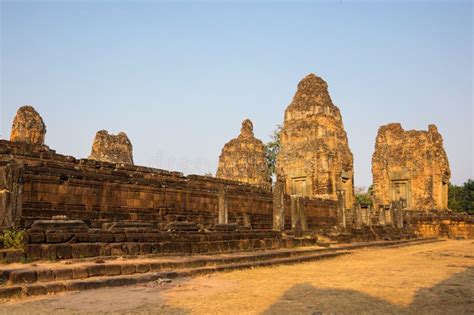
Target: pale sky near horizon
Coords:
[(179, 78)]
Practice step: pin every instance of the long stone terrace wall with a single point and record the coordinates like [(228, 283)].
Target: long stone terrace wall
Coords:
[(441, 224), (46, 184)]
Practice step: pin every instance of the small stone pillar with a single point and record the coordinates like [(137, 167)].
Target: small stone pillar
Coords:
[(342, 208), (397, 214), (11, 188), (294, 211), (369, 215), (365, 213), (382, 220), (400, 219), (358, 215), (222, 196), (279, 205), (392, 214), (298, 214), (388, 215), (302, 214)]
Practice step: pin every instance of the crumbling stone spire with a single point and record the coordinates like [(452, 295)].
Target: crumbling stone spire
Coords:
[(247, 129), (112, 148), (243, 159), (28, 126)]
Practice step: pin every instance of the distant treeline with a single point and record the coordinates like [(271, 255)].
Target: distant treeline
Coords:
[(461, 198)]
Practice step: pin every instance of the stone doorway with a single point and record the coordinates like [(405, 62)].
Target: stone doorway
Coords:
[(400, 192), (299, 186)]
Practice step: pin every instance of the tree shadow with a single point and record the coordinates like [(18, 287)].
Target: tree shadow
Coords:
[(452, 296)]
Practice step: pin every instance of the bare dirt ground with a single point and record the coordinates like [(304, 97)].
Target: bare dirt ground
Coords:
[(435, 278)]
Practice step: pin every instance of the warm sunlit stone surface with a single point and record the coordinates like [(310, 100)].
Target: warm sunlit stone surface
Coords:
[(411, 166)]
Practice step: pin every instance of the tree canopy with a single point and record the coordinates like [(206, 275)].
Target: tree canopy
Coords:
[(271, 150), (461, 198)]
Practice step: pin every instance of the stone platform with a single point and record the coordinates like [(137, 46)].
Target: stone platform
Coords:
[(20, 280)]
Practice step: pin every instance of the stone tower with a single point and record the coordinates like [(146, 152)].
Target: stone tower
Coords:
[(28, 126), (243, 159), (315, 159), (112, 148), (410, 166)]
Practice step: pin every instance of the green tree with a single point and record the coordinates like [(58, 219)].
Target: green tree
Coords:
[(455, 197), (363, 196), (468, 196), (461, 198), (271, 150)]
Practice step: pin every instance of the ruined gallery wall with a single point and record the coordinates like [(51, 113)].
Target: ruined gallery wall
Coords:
[(441, 224), (320, 213), (52, 184)]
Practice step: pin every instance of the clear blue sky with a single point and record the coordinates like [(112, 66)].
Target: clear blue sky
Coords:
[(179, 78)]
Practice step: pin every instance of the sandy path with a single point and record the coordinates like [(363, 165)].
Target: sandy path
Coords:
[(431, 278)]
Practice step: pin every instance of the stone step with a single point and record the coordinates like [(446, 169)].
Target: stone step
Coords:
[(88, 275), (35, 289)]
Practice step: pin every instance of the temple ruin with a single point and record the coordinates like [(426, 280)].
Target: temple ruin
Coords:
[(86, 213), (28, 126), (410, 167), (112, 148), (243, 159), (315, 159)]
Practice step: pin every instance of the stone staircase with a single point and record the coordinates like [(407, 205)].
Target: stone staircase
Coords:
[(22, 280)]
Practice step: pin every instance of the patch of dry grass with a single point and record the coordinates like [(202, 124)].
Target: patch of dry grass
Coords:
[(371, 280)]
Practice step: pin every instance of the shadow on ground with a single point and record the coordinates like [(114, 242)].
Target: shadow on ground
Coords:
[(452, 296)]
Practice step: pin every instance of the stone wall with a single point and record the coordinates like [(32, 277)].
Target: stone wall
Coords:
[(315, 159), (411, 167), (97, 192), (441, 224)]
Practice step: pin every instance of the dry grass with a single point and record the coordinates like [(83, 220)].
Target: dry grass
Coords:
[(384, 280)]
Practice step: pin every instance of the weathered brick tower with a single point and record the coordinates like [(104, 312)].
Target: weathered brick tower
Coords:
[(315, 159), (411, 167)]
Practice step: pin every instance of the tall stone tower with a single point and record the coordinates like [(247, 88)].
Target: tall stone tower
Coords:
[(412, 167), (315, 159), (243, 159)]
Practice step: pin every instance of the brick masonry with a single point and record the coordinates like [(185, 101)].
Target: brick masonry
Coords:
[(47, 184)]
